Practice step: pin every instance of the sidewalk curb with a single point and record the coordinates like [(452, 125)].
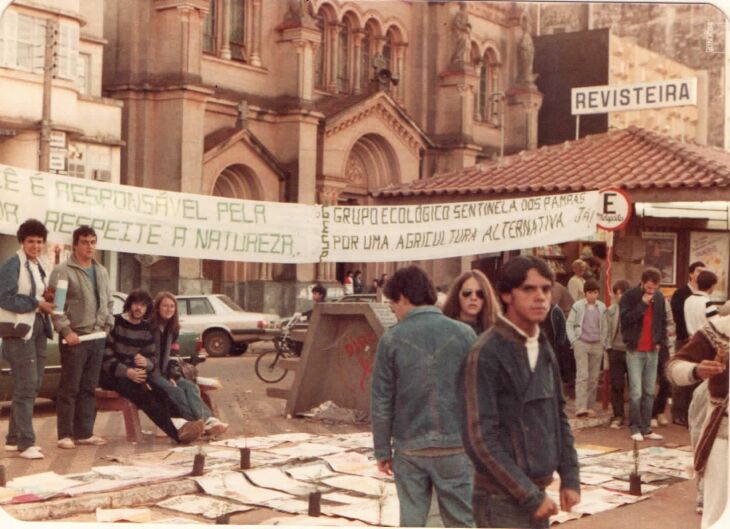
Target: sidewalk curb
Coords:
[(135, 496)]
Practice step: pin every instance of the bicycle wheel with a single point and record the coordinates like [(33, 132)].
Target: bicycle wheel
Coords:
[(267, 367)]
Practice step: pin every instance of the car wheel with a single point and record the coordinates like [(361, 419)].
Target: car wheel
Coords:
[(239, 349), (218, 343)]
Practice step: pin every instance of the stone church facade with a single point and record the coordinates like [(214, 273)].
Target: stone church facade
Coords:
[(310, 102)]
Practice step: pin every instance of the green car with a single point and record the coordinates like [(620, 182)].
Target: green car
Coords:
[(188, 340)]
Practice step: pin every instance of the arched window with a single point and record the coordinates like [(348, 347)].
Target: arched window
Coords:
[(209, 28), (366, 56), (343, 57), (237, 30), (388, 50), (493, 85)]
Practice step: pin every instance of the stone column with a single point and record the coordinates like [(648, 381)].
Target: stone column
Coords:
[(524, 106), (256, 37), (357, 63), (332, 29), (225, 23)]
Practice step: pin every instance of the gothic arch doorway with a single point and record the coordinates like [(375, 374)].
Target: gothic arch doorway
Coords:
[(235, 181), (372, 163)]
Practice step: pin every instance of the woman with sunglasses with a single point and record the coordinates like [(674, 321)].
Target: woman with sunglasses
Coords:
[(471, 300)]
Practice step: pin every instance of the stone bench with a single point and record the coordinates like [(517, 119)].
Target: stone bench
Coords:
[(108, 400)]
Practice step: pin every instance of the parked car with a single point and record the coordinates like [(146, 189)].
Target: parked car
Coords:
[(188, 341), (223, 325)]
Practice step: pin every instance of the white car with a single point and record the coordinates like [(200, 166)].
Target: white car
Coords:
[(225, 327)]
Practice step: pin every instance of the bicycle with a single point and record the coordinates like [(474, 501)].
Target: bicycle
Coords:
[(267, 366)]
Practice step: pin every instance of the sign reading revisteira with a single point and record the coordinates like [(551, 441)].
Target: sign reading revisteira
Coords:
[(639, 96)]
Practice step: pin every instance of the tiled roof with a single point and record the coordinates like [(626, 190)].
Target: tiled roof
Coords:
[(631, 158)]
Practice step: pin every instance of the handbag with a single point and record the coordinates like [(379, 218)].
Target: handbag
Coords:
[(179, 368), (12, 324)]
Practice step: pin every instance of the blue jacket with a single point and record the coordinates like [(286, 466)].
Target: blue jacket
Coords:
[(414, 400), (516, 431), (632, 310)]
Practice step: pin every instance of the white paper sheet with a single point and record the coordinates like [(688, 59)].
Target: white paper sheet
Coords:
[(361, 484), (137, 515), (311, 472), (204, 505), (277, 479), (44, 484), (353, 463), (384, 512), (306, 450), (234, 485)]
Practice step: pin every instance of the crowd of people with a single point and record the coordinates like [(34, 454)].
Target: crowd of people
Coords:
[(468, 400), (131, 353)]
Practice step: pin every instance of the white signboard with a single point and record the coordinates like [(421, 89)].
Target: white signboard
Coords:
[(149, 221), (436, 231), (640, 96)]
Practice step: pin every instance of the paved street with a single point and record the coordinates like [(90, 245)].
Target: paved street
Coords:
[(244, 405)]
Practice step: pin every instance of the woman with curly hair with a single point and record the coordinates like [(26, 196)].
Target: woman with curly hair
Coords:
[(471, 300)]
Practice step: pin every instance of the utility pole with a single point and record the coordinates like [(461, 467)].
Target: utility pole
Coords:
[(49, 70)]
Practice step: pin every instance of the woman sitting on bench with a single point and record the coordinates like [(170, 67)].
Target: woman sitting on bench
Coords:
[(167, 375)]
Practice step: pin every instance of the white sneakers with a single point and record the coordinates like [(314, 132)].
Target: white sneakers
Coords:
[(32, 452), (93, 440), (651, 436), (215, 427), (66, 443), (616, 423), (662, 419)]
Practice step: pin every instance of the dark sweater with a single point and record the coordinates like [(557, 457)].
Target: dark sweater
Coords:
[(123, 343)]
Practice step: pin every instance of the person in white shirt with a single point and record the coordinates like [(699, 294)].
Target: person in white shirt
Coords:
[(698, 307), (576, 282)]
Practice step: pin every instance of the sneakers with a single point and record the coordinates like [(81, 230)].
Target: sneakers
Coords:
[(11, 448), (215, 427), (32, 452), (93, 440), (616, 423), (637, 436), (654, 436), (654, 423), (66, 443), (190, 431), (662, 420)]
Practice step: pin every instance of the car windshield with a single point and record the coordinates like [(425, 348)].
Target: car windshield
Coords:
[(230, 303)]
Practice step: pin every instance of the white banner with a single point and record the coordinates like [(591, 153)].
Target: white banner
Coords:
[(434, 231), (149, 221), (639, 96)]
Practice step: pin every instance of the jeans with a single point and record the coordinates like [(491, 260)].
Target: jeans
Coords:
[(27, 361), (617, 369), (642, 368), (662, 396), (184, 396), (451, 476), (76, 403), (497, 510), (587, 370), (151, 401)]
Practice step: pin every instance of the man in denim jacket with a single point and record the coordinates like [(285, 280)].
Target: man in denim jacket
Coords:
[(515, 430), (415, 410)]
